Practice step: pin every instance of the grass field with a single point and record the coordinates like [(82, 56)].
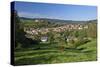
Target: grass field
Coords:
[(48, 54)]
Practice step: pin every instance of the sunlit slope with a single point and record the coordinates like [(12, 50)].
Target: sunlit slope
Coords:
[(85, 52)]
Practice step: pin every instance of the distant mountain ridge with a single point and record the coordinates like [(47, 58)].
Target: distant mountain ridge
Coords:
[(56, 20)]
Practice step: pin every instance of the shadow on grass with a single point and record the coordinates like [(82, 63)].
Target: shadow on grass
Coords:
[(36, 52), (48, 59)]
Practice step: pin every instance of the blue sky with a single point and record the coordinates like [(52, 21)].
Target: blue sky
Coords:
[(56, 11)]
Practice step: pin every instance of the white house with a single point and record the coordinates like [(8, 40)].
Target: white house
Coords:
[(44, 38)]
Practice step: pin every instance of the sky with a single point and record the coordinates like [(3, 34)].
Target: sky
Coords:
[(56, 11)]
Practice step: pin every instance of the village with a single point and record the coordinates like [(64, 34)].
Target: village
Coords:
[(65, 27)]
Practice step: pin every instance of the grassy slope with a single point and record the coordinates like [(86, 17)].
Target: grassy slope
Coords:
[(91, 46), (42, 56)]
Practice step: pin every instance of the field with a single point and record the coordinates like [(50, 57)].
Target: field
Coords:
[(51, 54)]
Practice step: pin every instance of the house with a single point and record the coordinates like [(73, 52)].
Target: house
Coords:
[(36, 20), (44, 38), (69, 38), (86, 27), (80, 27), (34, 32)]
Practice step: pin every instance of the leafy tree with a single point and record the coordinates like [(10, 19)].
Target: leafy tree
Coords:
[(19, 33), (20, 39)]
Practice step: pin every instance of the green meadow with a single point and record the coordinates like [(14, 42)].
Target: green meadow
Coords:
[(51, 54)]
